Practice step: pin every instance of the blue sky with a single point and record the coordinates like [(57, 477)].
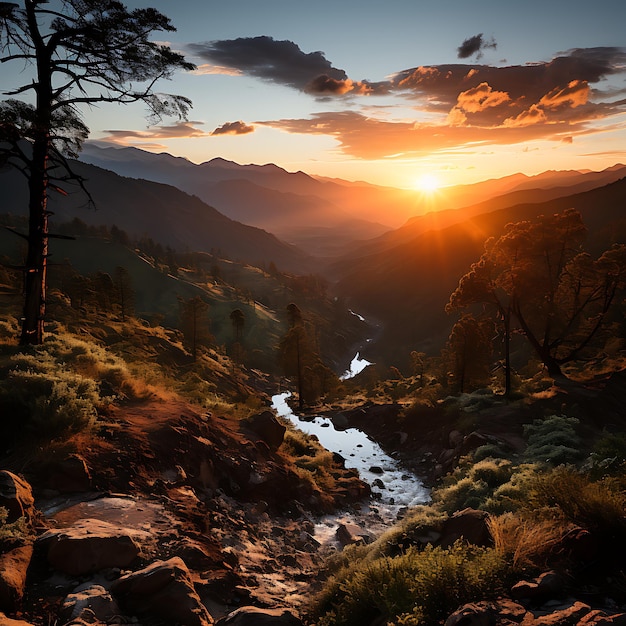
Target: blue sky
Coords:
[(461, 91)]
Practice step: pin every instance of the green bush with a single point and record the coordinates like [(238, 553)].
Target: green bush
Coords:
[(494, 472), (415, 588), (553, 440), (461, 494)]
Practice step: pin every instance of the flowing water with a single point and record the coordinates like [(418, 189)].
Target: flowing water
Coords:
[(393, 488)]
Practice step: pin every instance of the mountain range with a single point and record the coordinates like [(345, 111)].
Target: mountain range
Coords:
[(399, 273)]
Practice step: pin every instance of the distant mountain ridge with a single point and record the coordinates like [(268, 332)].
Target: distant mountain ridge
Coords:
[(321, 215), (162, 212)]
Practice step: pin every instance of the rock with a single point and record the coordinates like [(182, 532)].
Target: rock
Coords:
[(163, 590), (7, 621), (91, 545), (16, 496), (266, 426), (340, 421), (378, 483), (548, 586), (254, 616), (469, 525), (69, 475), (565, 617), (375, 469), (486, 613), (338, 459), (455, 438), (13, 568), (351, 533), (93, 597)]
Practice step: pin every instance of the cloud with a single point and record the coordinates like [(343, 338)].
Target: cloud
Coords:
[(278, 61), (475, 45), (233, 128), (173, 131)]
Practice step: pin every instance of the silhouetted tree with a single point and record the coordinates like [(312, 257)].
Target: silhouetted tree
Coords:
[(123, 292), (84, 53), (195, 323), (300, 359), (467, 354), (537, 274), (238, 320)]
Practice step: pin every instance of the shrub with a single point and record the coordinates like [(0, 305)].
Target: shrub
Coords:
[(553, 440), (463, 493), (12, 533), (417, 587), (526, 545), (494, 472), (595, 505)]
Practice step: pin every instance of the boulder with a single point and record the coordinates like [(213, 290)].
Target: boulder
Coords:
[(351, 533), (91, 545), (268, 428), (469, 525), (163, 590), (547, 586), (93, 597), (16, 496), (69, 475), (340, 421), (13, 567), (254, 616)]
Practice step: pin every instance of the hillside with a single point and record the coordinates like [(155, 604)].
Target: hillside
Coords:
[(162, 212), (405, 279)]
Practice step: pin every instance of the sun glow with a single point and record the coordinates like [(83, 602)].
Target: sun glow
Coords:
[(427, 183)]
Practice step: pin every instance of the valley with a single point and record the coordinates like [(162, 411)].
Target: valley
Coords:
[(196, 427)]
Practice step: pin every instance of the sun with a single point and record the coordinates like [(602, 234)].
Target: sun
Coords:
[(427, 183)]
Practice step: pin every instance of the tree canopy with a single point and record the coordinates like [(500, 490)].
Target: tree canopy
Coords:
[(538, 274), (72, 54)]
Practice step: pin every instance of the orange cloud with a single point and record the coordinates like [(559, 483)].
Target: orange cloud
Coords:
[(533, 115), (574, 95), (480, 98)]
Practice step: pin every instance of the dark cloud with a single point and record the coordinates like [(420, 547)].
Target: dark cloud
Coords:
[(233, 128), (280, 62), (475, 45), (470, 105), (489, 95)]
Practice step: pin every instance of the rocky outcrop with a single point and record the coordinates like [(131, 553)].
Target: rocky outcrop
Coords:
[(162, 590), (253, 616), (16, 496), (13, 569), (91, 545), (69, 475)]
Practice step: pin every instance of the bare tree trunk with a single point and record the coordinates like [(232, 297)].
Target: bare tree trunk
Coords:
[(36, 269)]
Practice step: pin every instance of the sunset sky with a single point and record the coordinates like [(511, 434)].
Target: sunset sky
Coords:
[(390, 92)]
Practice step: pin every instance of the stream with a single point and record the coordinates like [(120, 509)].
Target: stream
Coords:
[(393, 488)]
